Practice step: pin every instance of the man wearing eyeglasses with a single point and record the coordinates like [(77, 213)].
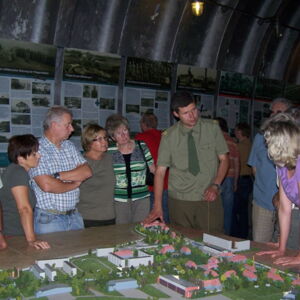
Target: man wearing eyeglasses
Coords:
[(57, 178)]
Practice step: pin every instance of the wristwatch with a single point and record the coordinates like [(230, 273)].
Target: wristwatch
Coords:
[(56, 175), (218, 186)]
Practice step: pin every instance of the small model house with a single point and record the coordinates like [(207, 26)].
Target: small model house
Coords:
[(274, 276), (238, 258), (179, 286), (211, 273), (185, 250), (38, 272), (50, 272), (167, 249), (211, 285), (69, 268), (229, 273), (191, 265), (250, 275)]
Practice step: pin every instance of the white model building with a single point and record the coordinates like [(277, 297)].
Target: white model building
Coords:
[(50, 272), (225, 244), (103, 252), (125, 258), (38, 272), (69, 268), (58, 262)]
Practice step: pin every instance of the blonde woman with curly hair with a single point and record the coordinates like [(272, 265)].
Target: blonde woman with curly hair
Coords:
[(282, 135)]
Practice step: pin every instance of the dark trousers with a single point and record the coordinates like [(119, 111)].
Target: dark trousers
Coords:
[(240, 220)]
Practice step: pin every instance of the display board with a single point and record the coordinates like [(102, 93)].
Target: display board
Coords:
[(205, 104), (147, 89), (89, 88), (234, 110), (26, 89), (147, 73), (140, 100), (196, 79), (89, 103)]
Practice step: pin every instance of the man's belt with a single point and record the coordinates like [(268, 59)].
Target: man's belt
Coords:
[(57, 212)]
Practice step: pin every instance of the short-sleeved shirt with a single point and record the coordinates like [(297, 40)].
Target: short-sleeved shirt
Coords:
[(264, 186), (14, 176), (139, 189), (97, 192), (53, 160), (244, 148), (291, 185), (152, 139), (233, 154), (173, 153)]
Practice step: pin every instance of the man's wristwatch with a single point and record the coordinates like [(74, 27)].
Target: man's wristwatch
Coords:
[(56, 175), (218, 186)]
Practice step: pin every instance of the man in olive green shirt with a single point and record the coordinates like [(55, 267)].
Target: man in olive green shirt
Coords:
[(193, 199)]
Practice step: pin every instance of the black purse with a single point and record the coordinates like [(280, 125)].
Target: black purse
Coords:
[(149, 175)]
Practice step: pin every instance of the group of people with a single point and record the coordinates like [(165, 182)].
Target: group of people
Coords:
[(52, 187)]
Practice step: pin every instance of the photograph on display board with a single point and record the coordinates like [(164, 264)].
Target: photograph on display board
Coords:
[(29, 59), (73, 102), (238, 84), (268, 89), (161, 96), (90, 91), (91, 66), (107, 103), (196, 78), (41, 88), (4, 98), (4, 126), (20, 106), (148, 73), (20, 84), (43, 101)]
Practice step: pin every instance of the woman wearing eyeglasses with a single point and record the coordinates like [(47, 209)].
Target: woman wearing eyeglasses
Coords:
[(96, 203), (132, 202)]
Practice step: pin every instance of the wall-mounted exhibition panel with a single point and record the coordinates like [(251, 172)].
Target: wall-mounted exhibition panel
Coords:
[(26, 89), (90, 87), (147, 89)]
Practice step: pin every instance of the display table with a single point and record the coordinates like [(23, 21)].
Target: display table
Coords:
[(65, 244)]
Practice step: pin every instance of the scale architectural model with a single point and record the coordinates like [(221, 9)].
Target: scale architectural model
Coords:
[(162, 263)]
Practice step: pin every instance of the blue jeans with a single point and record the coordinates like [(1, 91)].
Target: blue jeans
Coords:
[(46, 222), (227, 194), (164, 205)]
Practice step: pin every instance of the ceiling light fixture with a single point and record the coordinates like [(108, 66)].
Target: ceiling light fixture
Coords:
[(197, 7)]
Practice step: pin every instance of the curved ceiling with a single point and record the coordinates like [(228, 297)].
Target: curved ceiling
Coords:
[(256, 37)]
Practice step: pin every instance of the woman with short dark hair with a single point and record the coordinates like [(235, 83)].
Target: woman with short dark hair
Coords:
[(16, 196)]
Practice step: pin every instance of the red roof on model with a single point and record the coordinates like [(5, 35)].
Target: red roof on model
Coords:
[(124, 253)]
